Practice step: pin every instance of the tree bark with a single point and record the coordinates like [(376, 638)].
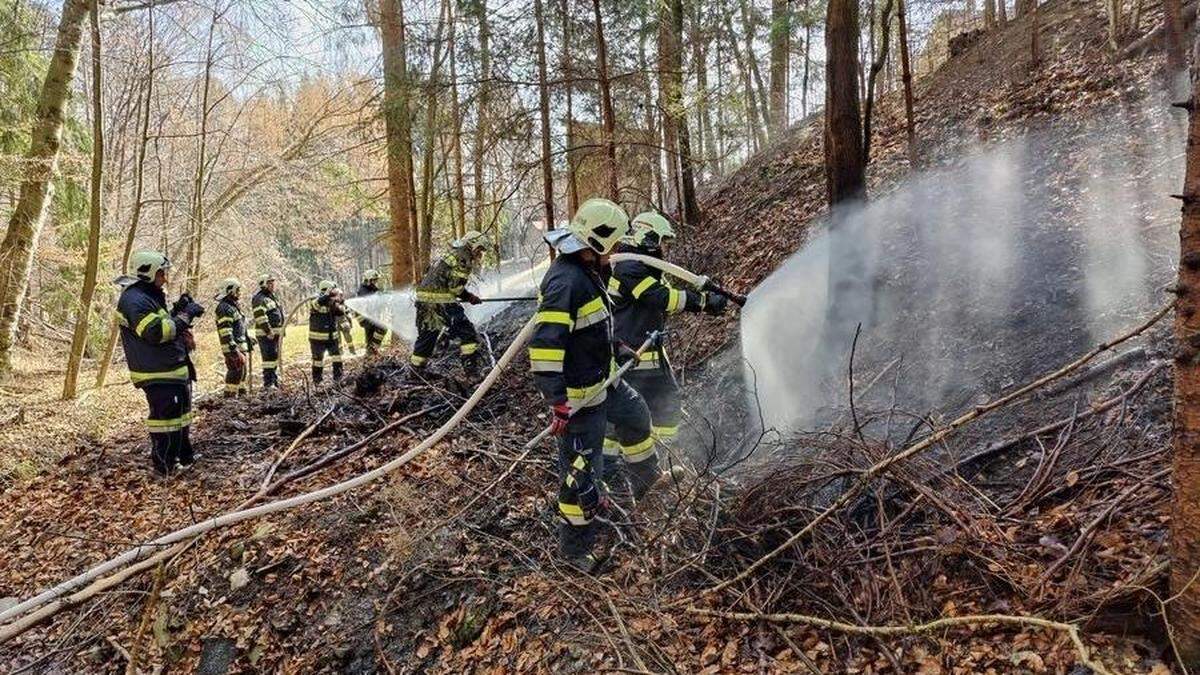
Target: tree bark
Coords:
[(1001, 11), (989, 14), (481, 118), (456, 115), (807, 61), (1185, 517), (1035, 32), (781, 30), (669, 102), (399, 139), (433, 89), (139, 182), (885, 31), (544, 109), (568, 73), (704, 150), (197, 225), (845, 172), (690, 207), (753, 119), (25, 224), (1173, 35), (910, 123), (83, 321), (650, 108), (606, 106)]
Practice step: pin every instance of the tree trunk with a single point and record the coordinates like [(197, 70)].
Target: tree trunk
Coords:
[(606, 106), (1185, 516), (652, 125), (910, 123), (1002, 11), (433, 89), (481, 118), (568, 73), (753, 119), (845, 172), (399, 139), (690, 207), (670, 103), (807, 61), (80, 337), (751, 29), (1035, 31), (544, 109), (456, 115), (25, 224), (197, 225), (885, 31), (1173, 35), (139, 181), (722, 141), (704, 149), (989, 14), (781, 30)]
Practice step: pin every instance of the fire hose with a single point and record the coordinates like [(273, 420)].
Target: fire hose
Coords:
[(13, 616), (700, 281)]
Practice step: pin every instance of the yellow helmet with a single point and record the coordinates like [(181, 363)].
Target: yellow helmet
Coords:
[(472, 239), (600, 224), (325, 286), (650, 229), (371, 275), (264, 279), (230, 285)]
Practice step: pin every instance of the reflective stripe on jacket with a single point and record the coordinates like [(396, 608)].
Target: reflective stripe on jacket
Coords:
[(570, 353), (231, 326), (641, 303), (323, 318), (268, 315), (150, 336), (447, 278)]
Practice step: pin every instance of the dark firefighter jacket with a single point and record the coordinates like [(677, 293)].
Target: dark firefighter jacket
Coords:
[(151, 337), (323, 317), (363, 291), (267, 313), (571, 351), (231, 326), (642, 301), (447, 278)]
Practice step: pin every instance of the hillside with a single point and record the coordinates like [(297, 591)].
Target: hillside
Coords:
[(448, 564)]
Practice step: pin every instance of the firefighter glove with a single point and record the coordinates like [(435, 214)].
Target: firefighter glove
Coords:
[(624, 353), (715, 304), (191, 311), (560, 415), (470, 297)]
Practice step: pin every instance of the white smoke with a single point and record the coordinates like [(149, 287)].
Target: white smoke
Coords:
[(976, 276)]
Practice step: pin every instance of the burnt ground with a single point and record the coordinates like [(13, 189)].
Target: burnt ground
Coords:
[(447, 565)]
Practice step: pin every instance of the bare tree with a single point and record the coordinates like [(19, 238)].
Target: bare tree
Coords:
[(482, 122), (885, 31), (456, 120), (80, 336), (544, 109), (1173, 34), (780, 40), (568, 84), (29, 214), (910, 124), (608, 121), (845, 170)]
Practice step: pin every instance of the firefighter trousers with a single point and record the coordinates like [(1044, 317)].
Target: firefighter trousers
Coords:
[(586, 474), (235, 373), (432, 318), (170, 417), (373, 336), (319, 349), (661, 393), (268, 349)]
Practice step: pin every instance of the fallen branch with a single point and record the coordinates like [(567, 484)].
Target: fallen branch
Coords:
[(879, 467), (918, 629), (295, 444), (228, 519)]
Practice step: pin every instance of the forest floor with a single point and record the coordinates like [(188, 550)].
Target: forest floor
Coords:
[(1053, 507)]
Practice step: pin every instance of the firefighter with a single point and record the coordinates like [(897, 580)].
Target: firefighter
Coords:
[(325, 314), (157, 343), (373, 333), (438, 296), (642, 300), (571, 355), (268, 328), (235, 343)]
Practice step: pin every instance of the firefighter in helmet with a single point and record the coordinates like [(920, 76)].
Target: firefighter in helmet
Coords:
[(268, 328), (235, 342), (325, 313), (439, 295), (373, 333)]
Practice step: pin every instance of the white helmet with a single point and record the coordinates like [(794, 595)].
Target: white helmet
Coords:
[(600, 224), (146, 264), (230, 285), (650, 229), (264, 279)]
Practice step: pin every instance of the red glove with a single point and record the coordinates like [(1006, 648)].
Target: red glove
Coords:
[(561, 415)]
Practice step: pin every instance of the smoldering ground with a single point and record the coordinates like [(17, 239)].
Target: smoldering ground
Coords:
[(971, 278)]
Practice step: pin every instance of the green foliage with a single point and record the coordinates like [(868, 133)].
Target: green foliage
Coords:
[(22, 67)]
